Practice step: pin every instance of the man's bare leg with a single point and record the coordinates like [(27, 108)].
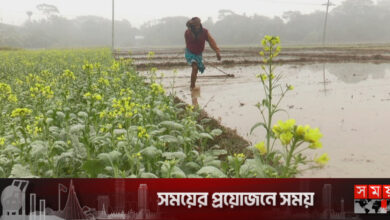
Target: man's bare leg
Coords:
[(194, 75)]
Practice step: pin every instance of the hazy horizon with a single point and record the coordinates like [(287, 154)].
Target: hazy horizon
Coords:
[(14, 12)]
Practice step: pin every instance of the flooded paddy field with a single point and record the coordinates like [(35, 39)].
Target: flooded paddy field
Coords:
[(174, 58), (347, 99)]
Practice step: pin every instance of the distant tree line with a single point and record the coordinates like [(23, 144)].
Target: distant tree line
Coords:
[(361, 21)]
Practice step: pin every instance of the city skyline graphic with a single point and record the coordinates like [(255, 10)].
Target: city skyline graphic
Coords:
[(13, 202)]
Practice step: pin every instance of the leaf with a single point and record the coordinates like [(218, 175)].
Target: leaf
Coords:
[(49, 121), (119, 131), (11, 149), (219, 152), (2, 173), (54, 130), (179, 111), (178, 173), (148, 175), (82, 114), (4, 160), (151, 152), (265, 102), (252, 168), (194, 153), (102, 175), (193, 176), (132, 176), (214, 163), (174, 155), (109, 157), (168, 139), (280, 110), (257, 125), (38, 149), (192, 167), (60, 115), (49, 173), (63, 157), (200, 127), (93, 167), (121, 144), (109, 169), (211, 172), (172, 125), (159, 113), (205, 120), (181, 104), (76, 128), (157, 132), (205, 135), (216, 132), (19, 171)]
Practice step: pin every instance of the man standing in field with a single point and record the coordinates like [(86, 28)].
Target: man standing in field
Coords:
[(195, 37)]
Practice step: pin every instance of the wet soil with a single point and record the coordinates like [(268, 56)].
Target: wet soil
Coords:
[(174, 58), (349, 102), (344, 91)]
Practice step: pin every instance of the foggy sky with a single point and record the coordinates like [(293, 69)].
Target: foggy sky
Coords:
[(140, 11)]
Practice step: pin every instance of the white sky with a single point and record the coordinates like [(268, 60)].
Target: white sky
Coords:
[(140, 11)]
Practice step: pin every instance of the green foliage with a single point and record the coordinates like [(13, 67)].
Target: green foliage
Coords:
[(79, 113)]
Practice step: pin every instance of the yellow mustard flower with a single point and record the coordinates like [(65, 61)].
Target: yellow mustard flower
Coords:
[(322, 160), (87, 95), (261, 147), (312, 135), (150, 55), (88, 67), (286, 138), (104, 81), (315, 145), (239, 156), (102, 114), (12, 98), (20, 112), (157, 89), (97, 97), (142, 132), (301, 130), (68, 74), (281, 126)]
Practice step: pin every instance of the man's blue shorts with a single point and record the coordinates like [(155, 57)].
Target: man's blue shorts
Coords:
[(190, 57)]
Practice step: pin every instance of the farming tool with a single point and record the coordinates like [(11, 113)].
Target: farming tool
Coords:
[(227, 74)]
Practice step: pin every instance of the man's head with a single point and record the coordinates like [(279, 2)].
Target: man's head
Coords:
[(194, 24)]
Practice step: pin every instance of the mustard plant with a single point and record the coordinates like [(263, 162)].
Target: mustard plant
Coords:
[(288, 159)]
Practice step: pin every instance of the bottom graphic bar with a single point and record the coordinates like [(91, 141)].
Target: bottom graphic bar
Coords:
[(111, 199)]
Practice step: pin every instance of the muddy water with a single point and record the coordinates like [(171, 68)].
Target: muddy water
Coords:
[(349, 102)]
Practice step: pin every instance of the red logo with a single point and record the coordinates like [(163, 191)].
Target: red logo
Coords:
[(360, 191), (384, 204), (386, 191), (374, 191)]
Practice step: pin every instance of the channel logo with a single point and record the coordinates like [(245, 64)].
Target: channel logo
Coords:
[(372, 199)]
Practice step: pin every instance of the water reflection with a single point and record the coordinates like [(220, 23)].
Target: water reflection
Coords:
[(355, 72), (195, 94), (324, 81)]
